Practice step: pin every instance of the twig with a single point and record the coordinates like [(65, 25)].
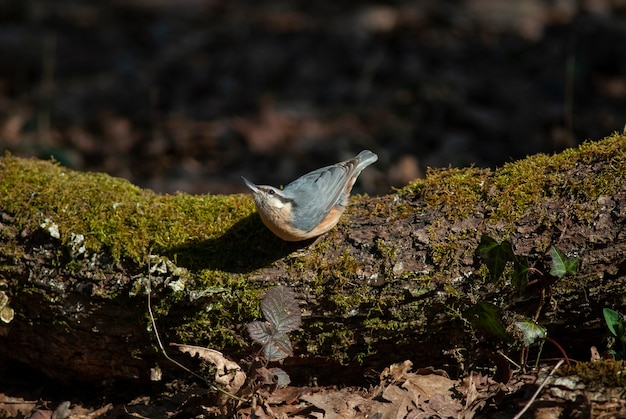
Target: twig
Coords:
[(503, 355), (158, 338), (532, 399)]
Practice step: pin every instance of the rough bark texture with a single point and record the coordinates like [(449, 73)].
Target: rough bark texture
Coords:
[(398, 279)]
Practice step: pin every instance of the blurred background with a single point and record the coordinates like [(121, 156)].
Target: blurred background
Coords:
[(189, 95)]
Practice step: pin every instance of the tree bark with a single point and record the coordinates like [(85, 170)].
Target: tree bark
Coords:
[(397, 279)]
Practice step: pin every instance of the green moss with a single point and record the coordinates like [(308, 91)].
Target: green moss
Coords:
[(597, 375), (385, 251), (519, 187), (378, 324), (109, 212), (455, 191), (514, 188), (346, 266), (223, 301), (202, 233), (331, 342)]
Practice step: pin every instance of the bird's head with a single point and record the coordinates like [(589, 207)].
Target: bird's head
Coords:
[(268, 198)]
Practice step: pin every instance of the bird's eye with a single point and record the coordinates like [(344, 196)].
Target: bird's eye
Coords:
[(272, 192)]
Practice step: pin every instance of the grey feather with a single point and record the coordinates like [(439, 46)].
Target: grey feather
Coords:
[(317, 192)]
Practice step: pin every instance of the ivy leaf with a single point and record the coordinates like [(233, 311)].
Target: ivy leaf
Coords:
[(496, 255), (280, 308), (485, 316), (520, 273), (531, 331), (561, 264), (615, 322)]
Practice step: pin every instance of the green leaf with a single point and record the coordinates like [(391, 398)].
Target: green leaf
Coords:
[(485, 316), (496, 255), (520, 273), (531, 331), (561, 264), (614, 321), (485, 246)]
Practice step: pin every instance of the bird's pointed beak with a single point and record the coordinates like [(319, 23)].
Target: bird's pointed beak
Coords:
[(251, 185)]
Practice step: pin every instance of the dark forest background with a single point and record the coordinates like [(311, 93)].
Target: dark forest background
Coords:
[(191, 94)]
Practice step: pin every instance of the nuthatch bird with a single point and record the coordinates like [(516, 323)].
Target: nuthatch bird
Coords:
[(312, 204)]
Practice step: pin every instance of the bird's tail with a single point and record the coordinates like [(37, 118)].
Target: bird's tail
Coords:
[(366, 158)]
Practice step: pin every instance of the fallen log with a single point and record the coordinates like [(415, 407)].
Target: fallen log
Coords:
[(397, 279)]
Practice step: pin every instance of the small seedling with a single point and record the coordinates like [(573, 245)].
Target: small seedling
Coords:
[(531, 333), (616, 324), (282, 315)]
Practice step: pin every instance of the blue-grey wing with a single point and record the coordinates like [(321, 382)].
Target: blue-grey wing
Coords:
[(317, 192)]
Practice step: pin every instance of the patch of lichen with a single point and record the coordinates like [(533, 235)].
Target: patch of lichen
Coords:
[(110, 212)]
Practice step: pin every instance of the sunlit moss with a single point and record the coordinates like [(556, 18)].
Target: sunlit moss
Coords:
[(110, 212), (455, 191)]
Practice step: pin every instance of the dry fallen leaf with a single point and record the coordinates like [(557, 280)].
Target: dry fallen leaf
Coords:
[(15, 406), (337, 405), (229, 374)]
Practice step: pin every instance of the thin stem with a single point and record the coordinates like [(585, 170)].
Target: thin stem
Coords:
[(532, 399), (560, 348)]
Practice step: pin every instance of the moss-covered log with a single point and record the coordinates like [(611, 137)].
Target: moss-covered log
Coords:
[(397, 279)]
